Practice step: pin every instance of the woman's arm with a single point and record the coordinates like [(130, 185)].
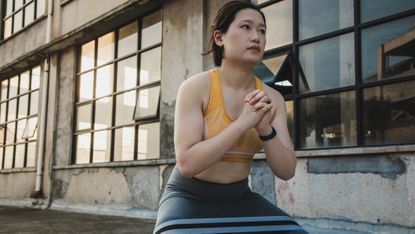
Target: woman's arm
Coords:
[(193, 154), (279, 150)]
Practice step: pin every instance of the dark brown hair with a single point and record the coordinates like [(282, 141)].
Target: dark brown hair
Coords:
[(224, 17)]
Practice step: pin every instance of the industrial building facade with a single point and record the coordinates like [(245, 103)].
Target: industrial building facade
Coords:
[(88, 90)]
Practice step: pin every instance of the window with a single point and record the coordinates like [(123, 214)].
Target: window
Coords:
[(118, 92), (17, 14), (19, 97), (348, 81)]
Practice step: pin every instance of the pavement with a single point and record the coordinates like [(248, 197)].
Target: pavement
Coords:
[(27, 220)]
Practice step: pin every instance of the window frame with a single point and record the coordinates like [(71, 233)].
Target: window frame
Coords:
[(114, 93), (358, 87)]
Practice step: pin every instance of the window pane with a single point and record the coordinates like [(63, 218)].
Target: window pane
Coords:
[(23, 102), (13, 86), (397, 55), (31, 154), (34, 99), (29, 14), (19, 157), (105, 48), (83, 147), (102, 146), (375, 9), (127, 74), (18, 21), (30, 129), (124, 144), (128, 41), (11, 115), (87, 56), (24, 82), (290, 118), (2, 131), (148, 141), (279, 24), (103, 113), (313, 21), (83, 114), (7, 28), (389, 115), (150, 66), (276, 72), (17, 4), (9, 7), (105, 80), (86, 86), (40, 8), (20, 130), (4, 86), (8, 157), (328, 121), (3, 112), (151, 33), (328, 64), (35, 78), (125, 108), (147, 102), (11, 129)]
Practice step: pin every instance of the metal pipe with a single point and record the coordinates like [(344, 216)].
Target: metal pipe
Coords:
[(42, 122)]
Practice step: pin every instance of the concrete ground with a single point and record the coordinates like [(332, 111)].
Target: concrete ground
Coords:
[(26, 220)]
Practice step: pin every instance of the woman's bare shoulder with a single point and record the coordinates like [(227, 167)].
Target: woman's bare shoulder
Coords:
[(198, 81), (197, 88), (274, 94)]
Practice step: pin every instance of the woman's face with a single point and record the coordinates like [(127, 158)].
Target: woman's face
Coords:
[(245, 39)]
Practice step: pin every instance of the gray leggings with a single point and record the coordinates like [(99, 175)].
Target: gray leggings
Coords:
[(185, 198)]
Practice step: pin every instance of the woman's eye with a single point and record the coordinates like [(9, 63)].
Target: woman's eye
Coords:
[(245, 26), (263, 31)]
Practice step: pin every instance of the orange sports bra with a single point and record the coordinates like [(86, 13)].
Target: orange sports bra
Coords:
[(217, 119)]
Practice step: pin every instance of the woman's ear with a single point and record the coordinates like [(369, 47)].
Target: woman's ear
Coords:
[(217, 36)]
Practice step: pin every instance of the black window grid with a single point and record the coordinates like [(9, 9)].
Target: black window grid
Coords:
[(359, 85), (115, 93)]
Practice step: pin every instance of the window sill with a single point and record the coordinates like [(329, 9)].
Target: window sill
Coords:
[(148, 162), (348, 151), (17, 170)]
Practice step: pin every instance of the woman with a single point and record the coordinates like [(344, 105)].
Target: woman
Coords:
[(218, 129)]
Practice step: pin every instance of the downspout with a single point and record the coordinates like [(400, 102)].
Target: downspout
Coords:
[(42, 122)]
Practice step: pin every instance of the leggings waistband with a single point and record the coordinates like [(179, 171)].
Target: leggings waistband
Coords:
[(209, 190)]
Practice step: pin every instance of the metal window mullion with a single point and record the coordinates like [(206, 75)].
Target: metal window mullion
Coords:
[(114, 98), (295, 74), (76, 99), (2, 13), (136, 129), (94, 93), (27, 114), (358, 78)]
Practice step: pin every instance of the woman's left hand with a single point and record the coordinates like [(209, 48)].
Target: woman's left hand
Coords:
[(254, 99)]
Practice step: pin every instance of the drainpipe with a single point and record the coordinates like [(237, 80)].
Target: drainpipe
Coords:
[(42, 121)]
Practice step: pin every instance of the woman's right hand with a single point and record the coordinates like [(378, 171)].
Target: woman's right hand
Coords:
[(252, 115)]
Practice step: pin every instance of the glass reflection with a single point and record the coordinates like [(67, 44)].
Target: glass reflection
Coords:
[(83, 117), (103, 113), (1, 157), (124, 144), (105, 48), (23, 105), (328, 121), (386, 50), (3, 112), (40, 8), (389, 114), (31, 154), (105, 79), (83, 147), (151, 32), (125, 108), (150, 66), (20, 130), (313, 21), (4, 87), (10, 133), (290, 119), (279, 24), (35, 78), (7, 28), (328, 64), (19, 157), (127, 42), (11, 115), (8, 157), (18, 4), (17, 21), (34, 99), (86, 86), (87, 56), (148, 141), (30, 128), (127, 74), (13, 86), (380, 8), (102, 146), (29, 14), (147, 102), (24, 82)]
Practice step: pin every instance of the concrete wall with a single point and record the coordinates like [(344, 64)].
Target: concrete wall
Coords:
[(366, 193)]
